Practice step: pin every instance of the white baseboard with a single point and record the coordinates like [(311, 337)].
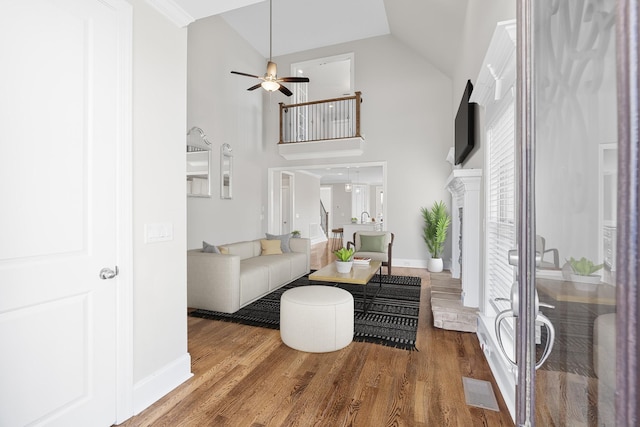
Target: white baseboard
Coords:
[(414, 263), (502, 371), (410, 263), (155, 386)]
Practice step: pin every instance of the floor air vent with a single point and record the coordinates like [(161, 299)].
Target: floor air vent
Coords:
[(479, 393)]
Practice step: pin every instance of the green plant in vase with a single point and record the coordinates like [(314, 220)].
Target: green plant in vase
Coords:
[(344, 261), (434, 232), (344, 254), (583, 270), (583, 267)]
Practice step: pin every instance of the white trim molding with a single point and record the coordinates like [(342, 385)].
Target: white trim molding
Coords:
[(171, 10), (160, 383), (124, 144)]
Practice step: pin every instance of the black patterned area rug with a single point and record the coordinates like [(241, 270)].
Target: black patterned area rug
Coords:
[(391, 320)]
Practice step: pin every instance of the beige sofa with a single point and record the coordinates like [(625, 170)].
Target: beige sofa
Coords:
[(240, 275)]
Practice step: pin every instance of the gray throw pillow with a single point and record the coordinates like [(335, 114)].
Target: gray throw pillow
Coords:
[(371, 243), (212, 249), (284, 241)]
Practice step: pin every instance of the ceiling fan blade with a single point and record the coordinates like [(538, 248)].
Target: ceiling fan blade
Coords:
[(294, 79), (255, 87), (244, 74), (285, 90)]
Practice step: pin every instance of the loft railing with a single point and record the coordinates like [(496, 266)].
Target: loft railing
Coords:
[(336, 118)]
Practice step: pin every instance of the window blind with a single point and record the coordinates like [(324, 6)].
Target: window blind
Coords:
[(501, 208)]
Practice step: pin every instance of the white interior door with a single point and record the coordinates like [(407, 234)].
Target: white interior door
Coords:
[(58, 223), (286, 208)]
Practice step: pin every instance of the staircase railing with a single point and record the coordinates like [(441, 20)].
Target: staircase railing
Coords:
[(336, 118), (324, 219)]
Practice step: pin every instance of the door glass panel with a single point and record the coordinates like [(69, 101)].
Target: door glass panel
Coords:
[(575, 199)]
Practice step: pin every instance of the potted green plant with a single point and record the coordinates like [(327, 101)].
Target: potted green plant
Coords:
[(434, 233), (345, 259), (583, 269), (295, 233)]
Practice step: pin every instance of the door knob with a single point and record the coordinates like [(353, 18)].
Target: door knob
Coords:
[(107, 273)]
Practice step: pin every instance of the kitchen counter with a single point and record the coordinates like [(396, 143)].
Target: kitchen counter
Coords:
[(351, 228)]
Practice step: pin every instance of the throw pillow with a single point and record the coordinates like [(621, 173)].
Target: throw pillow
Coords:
[(206, 247), (270, 247), (284, 241), (371, 243)]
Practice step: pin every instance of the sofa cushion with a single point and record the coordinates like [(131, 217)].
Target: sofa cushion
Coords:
[(278, 266), (284, 241), (270, 247), (298, 263), (243, 249), (206, 247), (371, 243), (254, 280)]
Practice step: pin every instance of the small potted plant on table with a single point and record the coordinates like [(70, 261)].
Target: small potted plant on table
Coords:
[(582, 272), (344, 261)]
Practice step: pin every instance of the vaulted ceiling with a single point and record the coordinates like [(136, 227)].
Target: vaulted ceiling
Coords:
[(432, 28)]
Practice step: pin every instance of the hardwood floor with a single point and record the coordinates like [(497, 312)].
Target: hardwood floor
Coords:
[(246, 376)]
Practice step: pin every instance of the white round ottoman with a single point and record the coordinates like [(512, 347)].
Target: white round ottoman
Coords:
[(604, 345), (316, 319)]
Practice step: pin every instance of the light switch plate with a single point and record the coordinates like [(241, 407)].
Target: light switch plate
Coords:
[(159, 232)]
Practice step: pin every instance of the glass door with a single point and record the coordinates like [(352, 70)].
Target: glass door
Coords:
[(566, 146)]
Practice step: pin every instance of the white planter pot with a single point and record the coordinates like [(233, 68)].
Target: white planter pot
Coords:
[(435, 265), (344, 266), (585, 283)]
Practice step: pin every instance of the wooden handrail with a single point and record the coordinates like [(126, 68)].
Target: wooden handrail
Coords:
[(284, 108)]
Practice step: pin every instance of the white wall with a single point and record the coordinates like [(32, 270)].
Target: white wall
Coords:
[(341, 209), (306, 203), (406, 121), (219, 103), (161, 360)]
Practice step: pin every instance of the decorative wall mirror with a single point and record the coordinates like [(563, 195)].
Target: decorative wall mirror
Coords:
[(198, 163), (226, 172)]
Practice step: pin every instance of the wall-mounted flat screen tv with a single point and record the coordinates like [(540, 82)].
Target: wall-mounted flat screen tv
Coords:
[(465, 125)]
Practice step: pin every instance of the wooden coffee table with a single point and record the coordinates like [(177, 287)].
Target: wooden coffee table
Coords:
[(359, 275)]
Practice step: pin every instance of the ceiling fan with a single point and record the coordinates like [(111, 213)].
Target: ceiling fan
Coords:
[(270, 81)]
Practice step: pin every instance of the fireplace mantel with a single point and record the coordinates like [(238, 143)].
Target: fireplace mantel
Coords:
[(464, 186)]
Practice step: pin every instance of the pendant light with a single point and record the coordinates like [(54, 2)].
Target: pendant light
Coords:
[(347, 185)]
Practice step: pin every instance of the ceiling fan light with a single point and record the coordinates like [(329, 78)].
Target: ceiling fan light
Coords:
[(270, 86)]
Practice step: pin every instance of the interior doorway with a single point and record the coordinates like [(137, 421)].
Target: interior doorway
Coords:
[(286, 202), (373, 174)]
